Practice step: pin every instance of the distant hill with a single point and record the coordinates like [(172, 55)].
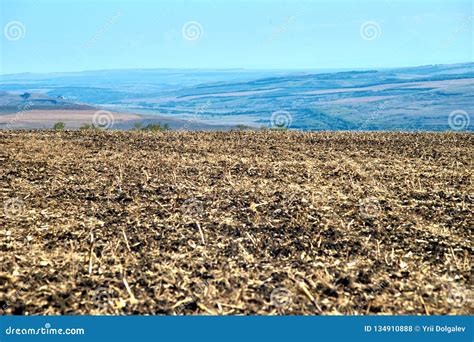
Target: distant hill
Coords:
[(418, 98), (12, 102), (39, 111)]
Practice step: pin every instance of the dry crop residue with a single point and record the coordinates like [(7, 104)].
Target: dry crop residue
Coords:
[(96, 222)]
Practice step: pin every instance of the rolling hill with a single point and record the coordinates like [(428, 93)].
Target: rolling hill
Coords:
[(418, 98)]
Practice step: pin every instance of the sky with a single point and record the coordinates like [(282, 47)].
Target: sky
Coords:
[(75, 35)]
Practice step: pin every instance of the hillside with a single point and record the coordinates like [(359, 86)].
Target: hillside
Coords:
[(39, 111), (21, 102), (419, 98)]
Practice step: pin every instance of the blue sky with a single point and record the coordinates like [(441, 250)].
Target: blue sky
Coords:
[(53, 36)]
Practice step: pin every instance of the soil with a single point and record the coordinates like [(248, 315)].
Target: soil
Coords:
[(231, 223)]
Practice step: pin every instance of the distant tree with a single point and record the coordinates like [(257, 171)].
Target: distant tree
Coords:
[(279, 128), (244, 128), (87, 126), (138, 125), (25, 96), (59, 126), (156, 127)]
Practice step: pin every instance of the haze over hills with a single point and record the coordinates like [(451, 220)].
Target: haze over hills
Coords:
[(240, 158), (418, 98)]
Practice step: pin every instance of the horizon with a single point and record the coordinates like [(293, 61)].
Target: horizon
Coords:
[(51, 36), (334, 70), (325, 64)]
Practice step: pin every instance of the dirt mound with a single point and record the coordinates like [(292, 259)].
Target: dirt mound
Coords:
[(235, 223)]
